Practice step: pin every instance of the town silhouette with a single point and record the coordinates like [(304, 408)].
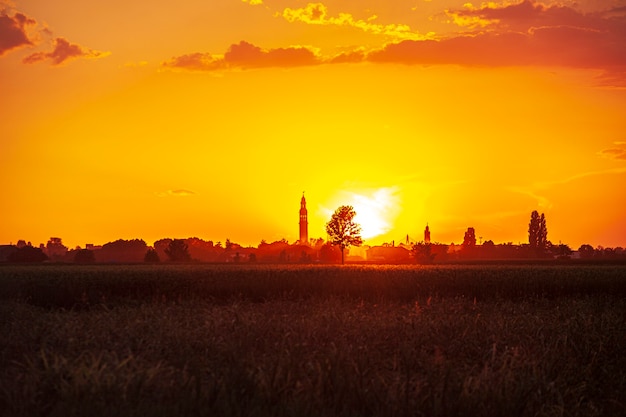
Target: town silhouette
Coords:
[(343, 233)]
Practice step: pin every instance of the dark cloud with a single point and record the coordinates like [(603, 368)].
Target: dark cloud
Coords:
[(489, 49), (245, 55), (528, 14), (13, 33), (527, 33), (63, 51)]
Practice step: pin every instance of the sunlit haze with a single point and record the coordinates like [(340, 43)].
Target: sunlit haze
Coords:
[(150, 120)]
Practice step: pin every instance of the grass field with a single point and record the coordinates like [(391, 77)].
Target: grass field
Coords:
[(192, 340)]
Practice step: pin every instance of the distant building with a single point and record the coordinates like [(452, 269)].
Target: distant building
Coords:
[(388, 254), (304, 223), (427, 234)]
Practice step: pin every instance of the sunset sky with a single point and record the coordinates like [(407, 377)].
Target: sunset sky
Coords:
[(209, 118)]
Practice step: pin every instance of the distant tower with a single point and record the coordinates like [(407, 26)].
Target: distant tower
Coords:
[(304, 224), (427, 234)]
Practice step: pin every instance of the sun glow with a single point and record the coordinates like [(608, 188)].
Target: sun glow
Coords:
[(375, 211)]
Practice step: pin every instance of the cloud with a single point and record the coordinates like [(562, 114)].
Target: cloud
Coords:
[(526, 33), (62, 52), (483, 50), (541, 201), (195, 62), (576, 177), (176, 193), (253, 2), (349, 57), (317, 14), (14, 34), (528, 14), (13, 31), (245, 55), (614, 153)]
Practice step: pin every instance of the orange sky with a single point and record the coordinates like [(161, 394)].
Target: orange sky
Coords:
[(209, 118)]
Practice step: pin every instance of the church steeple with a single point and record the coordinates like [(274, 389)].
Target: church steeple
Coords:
[(427, 234), (304, 223)]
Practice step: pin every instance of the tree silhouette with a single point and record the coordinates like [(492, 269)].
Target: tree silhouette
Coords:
[(533, 229), (151, 256), (542, 238), (562, 250), (27, 254), (537, 231), (422, 253), (123, 251), (586, 251), (84, 256), (178, 251), (342, 230)]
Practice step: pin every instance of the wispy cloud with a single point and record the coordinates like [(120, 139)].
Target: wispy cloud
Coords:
[(541, 201), (138, 64), (614, 153), (317, 14), (176, 193), (63, 51), (582, 175)]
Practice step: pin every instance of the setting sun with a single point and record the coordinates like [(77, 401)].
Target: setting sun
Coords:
[(376, 212)]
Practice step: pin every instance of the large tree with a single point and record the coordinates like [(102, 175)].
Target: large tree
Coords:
[(422, 253), (151, 256), (537, 231), (342, 230), (178, 251), (542, 239)]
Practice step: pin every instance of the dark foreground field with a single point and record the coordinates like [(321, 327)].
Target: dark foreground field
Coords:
[(312, 341)]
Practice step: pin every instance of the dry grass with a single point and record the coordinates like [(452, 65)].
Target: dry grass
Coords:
[(270, 341)]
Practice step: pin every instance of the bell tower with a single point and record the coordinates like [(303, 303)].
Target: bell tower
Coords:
[(304, 223)]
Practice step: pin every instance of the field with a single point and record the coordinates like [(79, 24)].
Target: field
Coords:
[(192, 340)]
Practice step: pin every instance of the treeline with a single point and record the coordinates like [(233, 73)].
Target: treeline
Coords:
[(173, 250), (199, 250)]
